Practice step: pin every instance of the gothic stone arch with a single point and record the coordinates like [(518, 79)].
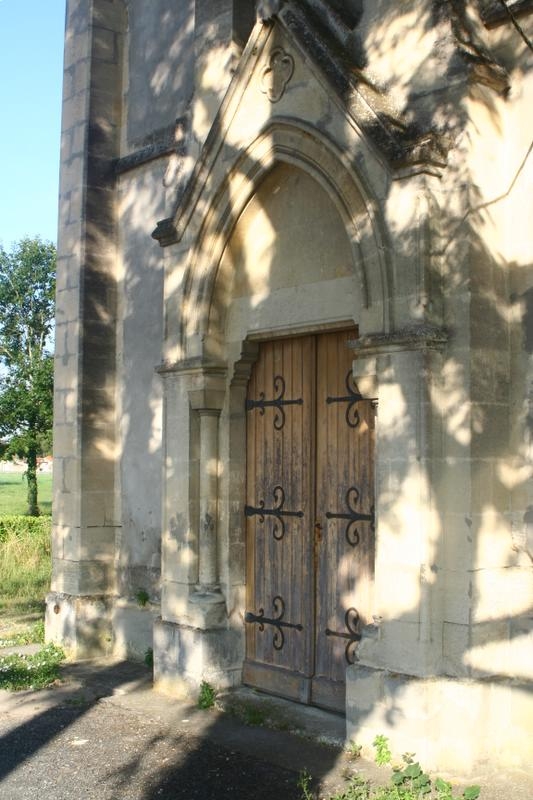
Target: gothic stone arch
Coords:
[(290, 142)]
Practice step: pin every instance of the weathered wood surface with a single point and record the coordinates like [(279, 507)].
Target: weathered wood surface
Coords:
[(304, 456)]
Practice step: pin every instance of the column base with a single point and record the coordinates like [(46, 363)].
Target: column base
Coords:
[(81, 625), (186, 656), (133, 629), (206, 608)]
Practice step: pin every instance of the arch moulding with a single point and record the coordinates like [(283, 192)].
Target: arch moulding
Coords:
[(289, 141)]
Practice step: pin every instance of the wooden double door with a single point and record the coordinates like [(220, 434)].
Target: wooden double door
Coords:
[(309, 518)]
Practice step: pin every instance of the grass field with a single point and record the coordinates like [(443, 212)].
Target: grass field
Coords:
[(25, 566), (25, 571), (13, 489)]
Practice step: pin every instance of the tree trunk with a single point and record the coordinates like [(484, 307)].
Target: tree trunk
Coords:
[(31, 475)]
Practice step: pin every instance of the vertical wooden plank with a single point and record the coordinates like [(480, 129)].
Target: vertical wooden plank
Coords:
[(309, 489), (282, 454), (251, 480), (342, 470)]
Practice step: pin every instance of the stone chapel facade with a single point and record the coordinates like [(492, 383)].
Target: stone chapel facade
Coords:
[(294, 358)]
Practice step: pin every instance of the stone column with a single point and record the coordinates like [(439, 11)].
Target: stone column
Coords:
[(404, 645), (207, 595), (86, 451), (192, 640), (207, 534), (397, 369)]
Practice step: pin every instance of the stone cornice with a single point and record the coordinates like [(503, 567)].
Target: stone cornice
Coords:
[(196, 365), (164, 142), (169, 231), (407, 150), (143, 156), (493, 12), (421, 336), (331, 46)]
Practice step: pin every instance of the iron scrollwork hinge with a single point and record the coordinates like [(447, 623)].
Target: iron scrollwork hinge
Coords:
[(277, 402), (277, 512), (352, 622), (353, 397), (278, 622), (353, 516)]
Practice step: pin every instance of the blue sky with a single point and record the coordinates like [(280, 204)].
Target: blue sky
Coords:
[(31, 64)]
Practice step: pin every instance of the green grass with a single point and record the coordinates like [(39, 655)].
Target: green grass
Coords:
[(25, 563), (25, 570), (25, 566), (13, 490), (33, 634), (31, 671)]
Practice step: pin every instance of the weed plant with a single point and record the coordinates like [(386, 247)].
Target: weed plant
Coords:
[(206, 696), (407, 782), (142, 597), (383, 753), (353, 751), (149, 657), (31, 671), (254, 717), (257, 714)]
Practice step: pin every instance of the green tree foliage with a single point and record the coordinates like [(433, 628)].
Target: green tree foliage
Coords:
[(27, 288)]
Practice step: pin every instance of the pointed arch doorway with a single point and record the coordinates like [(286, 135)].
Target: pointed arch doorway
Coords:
[(309, 518)]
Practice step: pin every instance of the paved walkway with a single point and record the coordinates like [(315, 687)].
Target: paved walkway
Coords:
[(104, 734)]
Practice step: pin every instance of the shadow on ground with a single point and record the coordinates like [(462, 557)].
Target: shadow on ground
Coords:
[(104, 734)]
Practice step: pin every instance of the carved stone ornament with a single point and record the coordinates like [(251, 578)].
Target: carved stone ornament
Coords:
[(266, 9), (421, 336), (275, 76)]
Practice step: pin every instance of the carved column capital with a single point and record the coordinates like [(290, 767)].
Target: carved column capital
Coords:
[(207, 401)]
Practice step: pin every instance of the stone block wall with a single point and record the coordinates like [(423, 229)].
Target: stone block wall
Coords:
[(416, 162)]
